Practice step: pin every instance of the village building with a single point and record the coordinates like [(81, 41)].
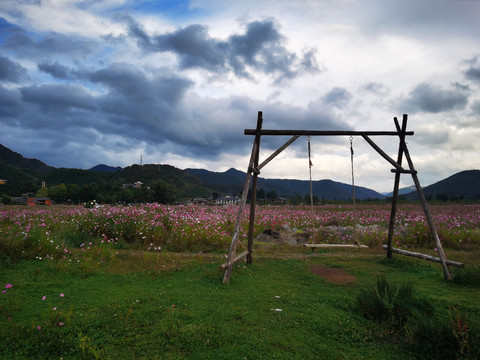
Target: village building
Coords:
[(34, 201), (227, 200), (135, 185)]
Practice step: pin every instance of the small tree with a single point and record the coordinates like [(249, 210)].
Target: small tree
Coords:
[(165, 193), (42, 192), (58, 193), (126, 196)]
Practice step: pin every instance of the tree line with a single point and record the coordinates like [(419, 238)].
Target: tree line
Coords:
[(158, 191)]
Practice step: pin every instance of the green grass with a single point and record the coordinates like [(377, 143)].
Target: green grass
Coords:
[(174, 306)]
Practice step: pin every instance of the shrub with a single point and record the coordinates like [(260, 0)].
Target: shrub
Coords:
[(413, 321), (388, 302)]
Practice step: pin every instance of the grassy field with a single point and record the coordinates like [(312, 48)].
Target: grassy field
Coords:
[(107, 285), (174, 306)]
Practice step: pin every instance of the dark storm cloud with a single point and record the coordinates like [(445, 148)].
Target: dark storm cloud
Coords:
[(118, 100), (58, 97), (195, 48), (138, 104), (26, 46), (138, 88), (338, 97), (433, 99), (260, 48), (11, 70), (473, 74), (56, 70), (10, 104)]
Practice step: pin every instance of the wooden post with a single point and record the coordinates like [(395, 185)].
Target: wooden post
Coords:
[(310, 172), (253, 200), (396, 185), (238, 224), (426, 210)]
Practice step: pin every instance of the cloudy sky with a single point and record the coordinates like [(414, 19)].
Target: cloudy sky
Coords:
[(84, 82)]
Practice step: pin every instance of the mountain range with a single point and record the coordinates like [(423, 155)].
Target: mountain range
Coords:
[(25, 175), (233, 180)]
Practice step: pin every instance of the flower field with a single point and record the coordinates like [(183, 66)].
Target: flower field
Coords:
[(136, 282), (66, 232)]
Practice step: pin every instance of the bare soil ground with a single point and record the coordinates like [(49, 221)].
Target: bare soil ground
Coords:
[(335, 275)]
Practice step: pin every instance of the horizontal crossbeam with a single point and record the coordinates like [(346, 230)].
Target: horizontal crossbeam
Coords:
[(325, 132)]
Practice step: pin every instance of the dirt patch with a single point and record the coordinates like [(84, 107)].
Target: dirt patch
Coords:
[(336, 275)]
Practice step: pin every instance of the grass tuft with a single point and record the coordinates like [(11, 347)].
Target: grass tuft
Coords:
[(387, 301), (468, 276)]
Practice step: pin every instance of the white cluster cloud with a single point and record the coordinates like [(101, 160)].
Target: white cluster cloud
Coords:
[(178, 82)]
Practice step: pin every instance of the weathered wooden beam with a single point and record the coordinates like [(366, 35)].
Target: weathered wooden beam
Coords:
[(341, 246), (325, 132), (235, 259), (428, 215), (280, 149), (403, 171), (334, 246), (253, 205), (424, 256)]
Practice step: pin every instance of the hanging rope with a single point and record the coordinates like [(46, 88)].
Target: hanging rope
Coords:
[(310, 172), (311, 187), (355, 238)]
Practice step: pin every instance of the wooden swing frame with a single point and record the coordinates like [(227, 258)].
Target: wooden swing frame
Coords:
[(254, 170)]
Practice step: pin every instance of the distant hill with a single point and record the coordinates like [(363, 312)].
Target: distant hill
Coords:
[(10, 157), (230, 182), (105, 168), (462, 185), (75, 176), (189, 185), (25, 175), (233, 180), (402, 191)]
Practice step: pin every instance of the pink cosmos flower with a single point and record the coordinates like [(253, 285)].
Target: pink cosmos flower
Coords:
[(61, 323), (44, 298), (8, 286), (55, 309), (39, 327), (4, 291), (62, 295)]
